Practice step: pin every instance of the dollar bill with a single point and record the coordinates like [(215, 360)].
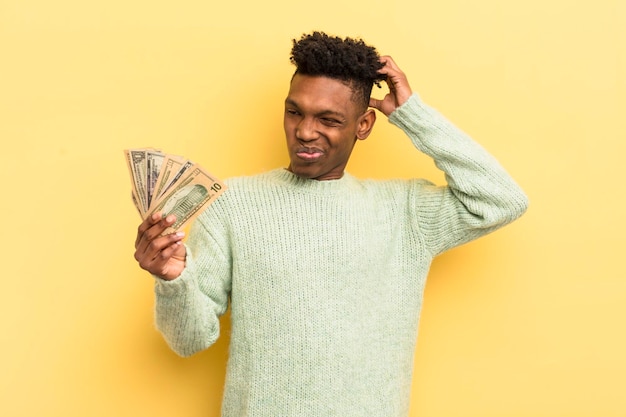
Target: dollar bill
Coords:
[(133, 196), (140, 170), (134, 192), (188, 196), (174, 167), (170, 184), (154, 162)]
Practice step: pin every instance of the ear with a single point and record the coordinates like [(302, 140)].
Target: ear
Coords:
[(365, 124)]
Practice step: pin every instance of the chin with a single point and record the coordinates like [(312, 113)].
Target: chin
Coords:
[(309, 171), (303, 173)]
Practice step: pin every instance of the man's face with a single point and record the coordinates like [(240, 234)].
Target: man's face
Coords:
[(322, 124)]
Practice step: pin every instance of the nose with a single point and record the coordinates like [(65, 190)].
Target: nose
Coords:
[(305, 131)]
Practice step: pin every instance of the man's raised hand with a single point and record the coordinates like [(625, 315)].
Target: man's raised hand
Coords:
[(399, 89)]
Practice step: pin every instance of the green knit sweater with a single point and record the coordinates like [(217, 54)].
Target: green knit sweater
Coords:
[(325, 278)]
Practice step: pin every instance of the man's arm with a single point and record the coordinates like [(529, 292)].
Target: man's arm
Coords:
[(192, 282), (480, 196)]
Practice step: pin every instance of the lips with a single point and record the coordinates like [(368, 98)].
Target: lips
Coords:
[(309, 154)]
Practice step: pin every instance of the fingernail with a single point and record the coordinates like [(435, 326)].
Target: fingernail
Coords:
[(169, 219), (180, 234)]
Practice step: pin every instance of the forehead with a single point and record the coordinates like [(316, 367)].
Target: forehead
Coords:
[(317, 93)]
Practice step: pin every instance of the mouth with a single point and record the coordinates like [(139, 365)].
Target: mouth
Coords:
[(309, 154)]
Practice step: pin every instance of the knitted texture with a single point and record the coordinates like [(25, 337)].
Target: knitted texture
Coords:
[(325, 278)]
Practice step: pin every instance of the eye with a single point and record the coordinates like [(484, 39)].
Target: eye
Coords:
[(292, 112), (328, 121)]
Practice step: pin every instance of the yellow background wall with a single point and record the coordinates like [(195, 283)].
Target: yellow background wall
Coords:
[(526, 322)]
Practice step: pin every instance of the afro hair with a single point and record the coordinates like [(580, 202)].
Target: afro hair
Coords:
[(348, 60)]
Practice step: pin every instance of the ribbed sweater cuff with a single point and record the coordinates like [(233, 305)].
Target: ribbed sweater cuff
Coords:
[(184, 283), (404, 116)]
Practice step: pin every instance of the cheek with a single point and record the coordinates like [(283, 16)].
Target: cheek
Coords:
[(289, 126), (288, 131), (346, 147)]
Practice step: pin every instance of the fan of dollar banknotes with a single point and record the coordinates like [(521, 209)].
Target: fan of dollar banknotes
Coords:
[(170, 184)]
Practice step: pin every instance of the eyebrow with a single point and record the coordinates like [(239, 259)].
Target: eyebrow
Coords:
[(342, 116)]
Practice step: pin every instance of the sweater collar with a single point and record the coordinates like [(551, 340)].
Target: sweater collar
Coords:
[(291, 180)]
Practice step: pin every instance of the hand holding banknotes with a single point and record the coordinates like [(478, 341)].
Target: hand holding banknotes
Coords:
[(161, 255), (168, 191)]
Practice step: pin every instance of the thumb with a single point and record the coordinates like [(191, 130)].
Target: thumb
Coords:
[(375, 103)]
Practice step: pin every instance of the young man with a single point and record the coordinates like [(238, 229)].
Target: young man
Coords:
[(325, 272)]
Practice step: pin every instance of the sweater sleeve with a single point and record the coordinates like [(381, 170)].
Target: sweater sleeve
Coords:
[(188, 308), (480, 196)]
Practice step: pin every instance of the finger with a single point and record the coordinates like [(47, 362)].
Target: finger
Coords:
[(389, 66), (158, 264), (389, 62), (157, 250), (393, 72), (170, 262), (150, 237), (397, 81), (176, 251), (153, 227), (146, 224), (375, 103), (149, 249)]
